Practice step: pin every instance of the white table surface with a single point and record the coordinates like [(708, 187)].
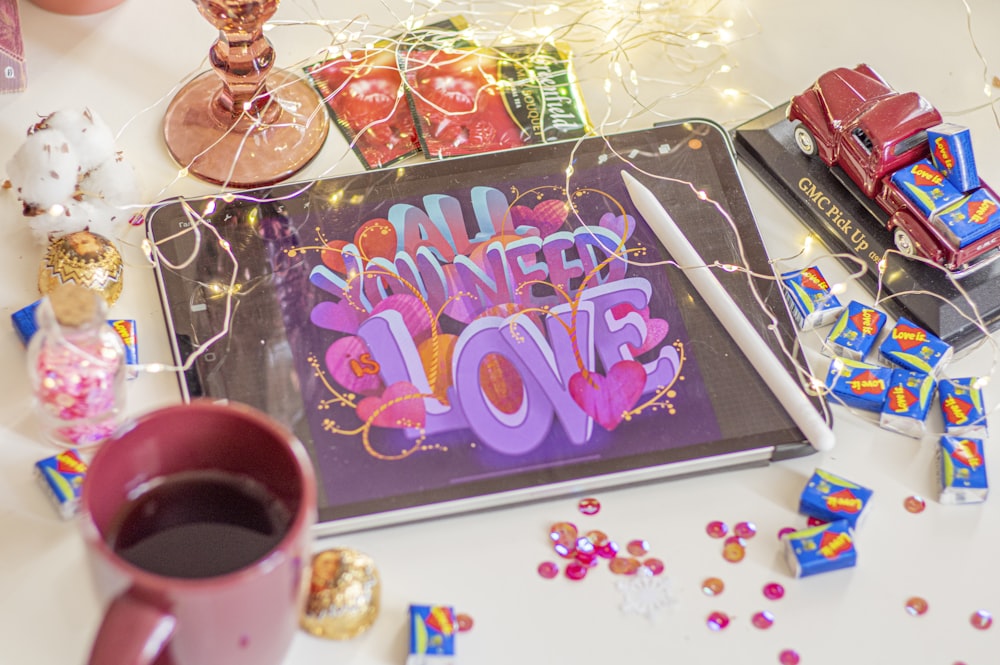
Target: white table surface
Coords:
[(126, 63)]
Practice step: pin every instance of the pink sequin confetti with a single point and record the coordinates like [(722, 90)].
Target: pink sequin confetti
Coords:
[(717, 620), (916, 606), (785, 531), (655, 565), (713, 586), (734, 551), (763, 620), (745, 530), (563, 536), (914, 504), (576, 570), (608, 550), (584, 546), (465, 622), (788, 657), (548, 570), (815, 521), (717, 529), (774, 591), (981, 620), (624, 565), (589, 506), (638, 547), (563, 532), (596, 537)]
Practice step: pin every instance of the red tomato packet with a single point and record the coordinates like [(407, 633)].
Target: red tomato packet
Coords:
[(478, 99), (363, 92)]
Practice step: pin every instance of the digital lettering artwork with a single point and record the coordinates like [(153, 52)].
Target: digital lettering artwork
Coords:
[(467, 333)]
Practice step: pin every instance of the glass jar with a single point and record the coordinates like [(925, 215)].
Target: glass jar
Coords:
[(76, 364)]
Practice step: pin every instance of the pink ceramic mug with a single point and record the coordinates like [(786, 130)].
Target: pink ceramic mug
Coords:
[(197, 521)]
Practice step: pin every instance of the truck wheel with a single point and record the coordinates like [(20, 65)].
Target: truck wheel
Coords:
[(904, 243), (804, 140)]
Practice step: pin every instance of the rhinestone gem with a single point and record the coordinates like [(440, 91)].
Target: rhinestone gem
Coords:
[(718, 620), (774, 591), (713, 586), (981, 620), (745, 530), (717, 529), (763, 620), (916, 606), (548, 570), (589, 506)]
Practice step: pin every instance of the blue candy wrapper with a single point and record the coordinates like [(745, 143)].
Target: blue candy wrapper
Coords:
[(962, 469), (855, 332), (820, 549), (830, 498), (907, 402), (432, 635), (61, 477), (962, 407), (809, 298), (858, 385)]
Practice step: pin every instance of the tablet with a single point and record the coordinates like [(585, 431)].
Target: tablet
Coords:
[(472, 332)]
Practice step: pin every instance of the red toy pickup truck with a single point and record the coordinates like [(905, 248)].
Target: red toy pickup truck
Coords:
[(851, 118)]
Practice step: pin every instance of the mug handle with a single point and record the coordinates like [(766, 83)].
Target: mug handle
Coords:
[(132, 632)]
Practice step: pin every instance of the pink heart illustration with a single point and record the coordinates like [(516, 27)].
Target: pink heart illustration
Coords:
[(608, 399), (399, 406), (656, 329), (622, 225), (548, 216), (340, 316), (350, 364)]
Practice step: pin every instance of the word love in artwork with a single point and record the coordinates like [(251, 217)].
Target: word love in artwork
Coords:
[(557, 377)]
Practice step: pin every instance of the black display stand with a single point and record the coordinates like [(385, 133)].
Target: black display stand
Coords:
[(848, 224)]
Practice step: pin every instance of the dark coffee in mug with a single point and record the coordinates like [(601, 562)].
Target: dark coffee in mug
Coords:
[(199, 524)]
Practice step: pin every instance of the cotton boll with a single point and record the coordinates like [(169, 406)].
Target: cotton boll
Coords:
[(44, 170), (93, 141), (105, 219), (115, 182), (60, 220)]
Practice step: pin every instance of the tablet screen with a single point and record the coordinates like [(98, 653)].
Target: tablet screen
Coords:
[(480, 327)]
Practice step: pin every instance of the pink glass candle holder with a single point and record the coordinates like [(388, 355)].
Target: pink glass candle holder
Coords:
[(244, 124)]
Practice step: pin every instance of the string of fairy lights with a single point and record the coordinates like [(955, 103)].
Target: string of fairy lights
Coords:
[(692, 41)]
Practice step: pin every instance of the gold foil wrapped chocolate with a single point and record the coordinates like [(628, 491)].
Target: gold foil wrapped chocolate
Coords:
[(344, 591), (83, 258)]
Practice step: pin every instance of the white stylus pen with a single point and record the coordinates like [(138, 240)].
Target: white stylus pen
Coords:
[(761, 356)]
